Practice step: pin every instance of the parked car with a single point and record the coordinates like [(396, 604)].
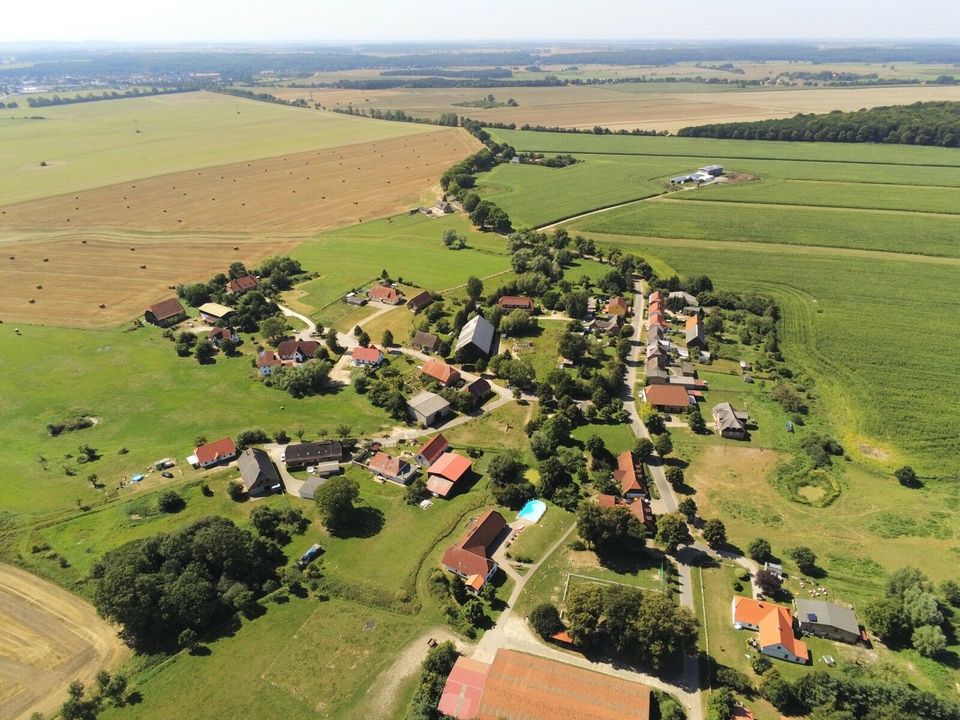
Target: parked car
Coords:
[(167, 474)]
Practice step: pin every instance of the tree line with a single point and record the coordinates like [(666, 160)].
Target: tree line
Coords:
[(922, 123), (105, 95)]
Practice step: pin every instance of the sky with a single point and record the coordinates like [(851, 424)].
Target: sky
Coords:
[(346, 21)]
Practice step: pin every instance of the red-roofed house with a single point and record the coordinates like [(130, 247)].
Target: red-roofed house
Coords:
[(655, 297), (267, 360), (655, 307), (617, 306), (471, 556), (629, 476), (775, 626), (639, 508), (367, 356), (432, 450), (384, 294), (240, 285), (220, 335), (298, 351), (669, 398), (445, 473), (515, 302), (658, 319), (211, 454), (390, 468), (441, 372)]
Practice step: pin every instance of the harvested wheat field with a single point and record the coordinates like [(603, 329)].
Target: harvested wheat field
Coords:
[(68, 276), (627, 106), (300, 192), (48, 638)]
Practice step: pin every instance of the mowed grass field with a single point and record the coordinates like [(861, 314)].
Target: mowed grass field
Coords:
[(624, 106), (90, 145), (409, 247)]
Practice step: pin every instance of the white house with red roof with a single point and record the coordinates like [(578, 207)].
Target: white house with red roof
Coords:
[(444, 474), (366, 356), (214, 453)]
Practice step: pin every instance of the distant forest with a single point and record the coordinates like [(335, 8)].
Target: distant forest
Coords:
[(922, 123), (303, 61)]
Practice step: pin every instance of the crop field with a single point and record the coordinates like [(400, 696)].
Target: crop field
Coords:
[(308, 191), (624, 106), (49, 639), (69, 275), (90, 145), (904, 233)]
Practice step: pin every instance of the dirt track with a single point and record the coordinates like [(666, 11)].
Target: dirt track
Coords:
[(48, 638)]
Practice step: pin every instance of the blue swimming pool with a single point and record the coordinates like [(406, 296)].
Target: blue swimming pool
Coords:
[(532, 511)]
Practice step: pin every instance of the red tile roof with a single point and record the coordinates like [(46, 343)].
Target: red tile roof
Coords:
[(451, 466), (218, 450), (242, 284), (626, 474), (288, 348), (692, 322), (367, 354), (469, 556), (383, 293), (267, 358), (222, 332), (655, 296), (605, 500), (655, 307), (515, 302), (439, 370), (165, 309), (774, 621), (385, 464), (617, 306), (666, 395), (434, 448)]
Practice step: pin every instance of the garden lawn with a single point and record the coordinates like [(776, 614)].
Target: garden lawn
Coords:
[(301, 659), (534, 540)]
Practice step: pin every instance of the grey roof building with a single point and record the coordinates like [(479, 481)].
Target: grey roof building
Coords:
[(829, 620), (478, 333), (730, 423), (257, 472), (427, 407), (311, 453)]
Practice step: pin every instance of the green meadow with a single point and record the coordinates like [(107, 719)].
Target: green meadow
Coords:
[(88, 145), (409, 247), (145, 399)]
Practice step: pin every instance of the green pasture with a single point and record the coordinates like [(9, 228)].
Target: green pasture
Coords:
[(99, 143), (147, 399), (533, 195), (729, 223), (776, 191), (409, 247), (534, 540)]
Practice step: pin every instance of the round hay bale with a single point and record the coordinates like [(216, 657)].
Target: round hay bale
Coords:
[(83, 242), (46, 259), (32, 301), (102, 306), (143, 267), (236, 247), (39, 287)]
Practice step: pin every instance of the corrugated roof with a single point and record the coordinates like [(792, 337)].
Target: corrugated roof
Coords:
[(451, 466), (165, 309), (215, 309), (828, 613), (427, 403), (439, 370), (666, 395), (478, 332), (463, 689), (528, 687)]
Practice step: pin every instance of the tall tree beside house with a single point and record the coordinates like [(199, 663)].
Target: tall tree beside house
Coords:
[(335, 501), (759, 550), (274, 329), (545, 620), (237, 270)]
